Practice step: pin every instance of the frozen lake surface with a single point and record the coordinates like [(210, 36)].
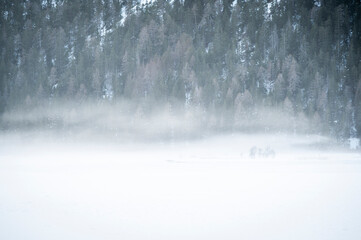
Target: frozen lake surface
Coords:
[(203, 189)]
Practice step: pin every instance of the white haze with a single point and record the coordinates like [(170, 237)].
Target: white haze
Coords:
[(55, 185), (129, 121)]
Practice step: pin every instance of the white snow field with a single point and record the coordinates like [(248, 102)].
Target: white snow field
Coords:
[(202, 189)]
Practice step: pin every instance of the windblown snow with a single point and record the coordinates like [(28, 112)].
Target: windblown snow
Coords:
[(212, 188)]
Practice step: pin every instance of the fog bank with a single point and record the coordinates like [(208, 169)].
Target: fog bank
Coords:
[(130, 121)]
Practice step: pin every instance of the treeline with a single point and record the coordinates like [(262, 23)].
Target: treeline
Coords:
[(223, 56)]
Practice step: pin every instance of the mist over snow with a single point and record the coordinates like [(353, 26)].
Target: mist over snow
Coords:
[(126, 121), (196, 189), (180, 119), (106, 171)]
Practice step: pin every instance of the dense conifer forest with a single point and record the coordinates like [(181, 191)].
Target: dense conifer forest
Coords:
[(230, 58)]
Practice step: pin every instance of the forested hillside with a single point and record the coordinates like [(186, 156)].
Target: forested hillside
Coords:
[(230, 57)]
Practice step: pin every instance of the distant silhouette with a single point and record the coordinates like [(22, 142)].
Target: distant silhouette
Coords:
[(259, 152)]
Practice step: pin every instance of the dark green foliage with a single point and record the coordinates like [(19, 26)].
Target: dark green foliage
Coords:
[(217, 54)]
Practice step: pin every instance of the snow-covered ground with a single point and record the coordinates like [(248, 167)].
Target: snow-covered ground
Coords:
[(202, 189)]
